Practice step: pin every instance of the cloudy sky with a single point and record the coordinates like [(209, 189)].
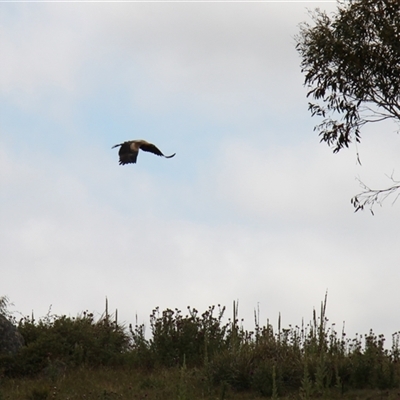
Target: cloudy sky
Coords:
[(252, 207)]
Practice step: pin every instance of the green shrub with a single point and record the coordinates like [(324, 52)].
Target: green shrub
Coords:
[(193, 337), (60, 342)]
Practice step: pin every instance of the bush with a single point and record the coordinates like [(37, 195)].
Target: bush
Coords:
[(193, 337), (68, 341)]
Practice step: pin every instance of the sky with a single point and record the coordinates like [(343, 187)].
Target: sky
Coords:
[(252, 207)]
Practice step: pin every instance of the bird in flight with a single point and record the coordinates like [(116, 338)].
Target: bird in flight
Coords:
[(129, 151)]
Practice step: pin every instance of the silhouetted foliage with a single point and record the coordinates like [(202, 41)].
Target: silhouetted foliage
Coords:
[(10, 339), (351, 63), (195, 337), (67, 342), (312, 359)]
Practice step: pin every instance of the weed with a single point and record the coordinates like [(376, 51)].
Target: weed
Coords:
[(306, 389), (274, 387), (182, 388)]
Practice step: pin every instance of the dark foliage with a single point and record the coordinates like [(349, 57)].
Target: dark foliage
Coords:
[(195, 337), (60, 342), (312, 359), (351, 63), (10, 339)]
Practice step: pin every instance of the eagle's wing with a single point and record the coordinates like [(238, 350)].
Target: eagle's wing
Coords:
[(127, 154), (153, 149)]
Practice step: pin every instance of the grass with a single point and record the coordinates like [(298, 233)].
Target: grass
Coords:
[(163, 384), (115, 383)]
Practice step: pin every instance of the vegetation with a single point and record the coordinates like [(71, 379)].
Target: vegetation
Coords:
[(196, 356), (351, 63)]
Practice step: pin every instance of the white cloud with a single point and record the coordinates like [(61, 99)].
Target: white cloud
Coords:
[(42, 50), (219, 56), (287, 183)]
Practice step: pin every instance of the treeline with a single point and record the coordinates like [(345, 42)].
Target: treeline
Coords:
[(311, 359)]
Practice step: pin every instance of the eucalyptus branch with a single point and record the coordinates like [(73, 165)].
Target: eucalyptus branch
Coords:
[(370, 197), (351, 63)]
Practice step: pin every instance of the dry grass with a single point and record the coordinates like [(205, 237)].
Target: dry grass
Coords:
[(163, 384)]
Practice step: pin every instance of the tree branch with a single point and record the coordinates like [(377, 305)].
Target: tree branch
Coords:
[(370, 197)]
